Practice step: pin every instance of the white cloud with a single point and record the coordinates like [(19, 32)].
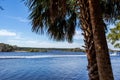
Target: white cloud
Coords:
[(43, 44), (23, 41), (4, 32)]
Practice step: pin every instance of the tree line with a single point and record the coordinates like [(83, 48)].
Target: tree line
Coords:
[(9, 48), (6, 47)]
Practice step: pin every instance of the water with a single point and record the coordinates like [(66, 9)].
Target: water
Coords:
[(54, 65)]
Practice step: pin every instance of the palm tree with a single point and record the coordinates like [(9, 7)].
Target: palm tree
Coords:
[(60, 25), (102, 55), (86, 27), (110, 10), (65, 29)]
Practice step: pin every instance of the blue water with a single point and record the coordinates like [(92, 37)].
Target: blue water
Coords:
[(64, 66)]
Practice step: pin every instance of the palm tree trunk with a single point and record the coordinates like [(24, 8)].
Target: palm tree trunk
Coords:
[(88, 39), (102, 54)]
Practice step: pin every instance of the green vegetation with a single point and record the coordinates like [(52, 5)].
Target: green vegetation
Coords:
[(114, 36), (30, 49), (6, 47), (9, 48), (33, 50)]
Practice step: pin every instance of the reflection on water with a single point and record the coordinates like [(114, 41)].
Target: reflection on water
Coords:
[(56, 66)]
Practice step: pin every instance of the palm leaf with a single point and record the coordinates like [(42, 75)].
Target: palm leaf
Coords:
[(57, 17)]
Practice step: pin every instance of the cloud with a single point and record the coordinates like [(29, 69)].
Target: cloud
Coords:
[(4, 32), (23, 41), (43, 44)]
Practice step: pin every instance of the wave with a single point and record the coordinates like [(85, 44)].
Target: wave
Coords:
[(38, 56)]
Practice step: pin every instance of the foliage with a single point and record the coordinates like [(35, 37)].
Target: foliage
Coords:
[(110, 9), (6, 47), (33, 50), (111, 13), (114, 36), (53, 17), (58, 18)]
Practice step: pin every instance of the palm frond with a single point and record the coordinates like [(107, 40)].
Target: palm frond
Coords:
[(110, 9), (57, 17)]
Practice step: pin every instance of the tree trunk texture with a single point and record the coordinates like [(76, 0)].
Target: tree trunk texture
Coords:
[(101, 48), (88, 39)]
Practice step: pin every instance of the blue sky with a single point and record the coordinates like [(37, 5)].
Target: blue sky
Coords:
[(15, 29)]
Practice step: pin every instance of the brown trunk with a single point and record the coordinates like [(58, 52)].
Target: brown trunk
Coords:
[(102, 54), (88, 39)]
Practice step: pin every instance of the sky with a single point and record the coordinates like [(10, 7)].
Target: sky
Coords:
[(15, 29)]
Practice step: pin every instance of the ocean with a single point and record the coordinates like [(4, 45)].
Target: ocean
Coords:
[(53, 65)]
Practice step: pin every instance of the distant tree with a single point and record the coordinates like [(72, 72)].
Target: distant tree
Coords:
[(114, 36), (6, 47), (33, 50)]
